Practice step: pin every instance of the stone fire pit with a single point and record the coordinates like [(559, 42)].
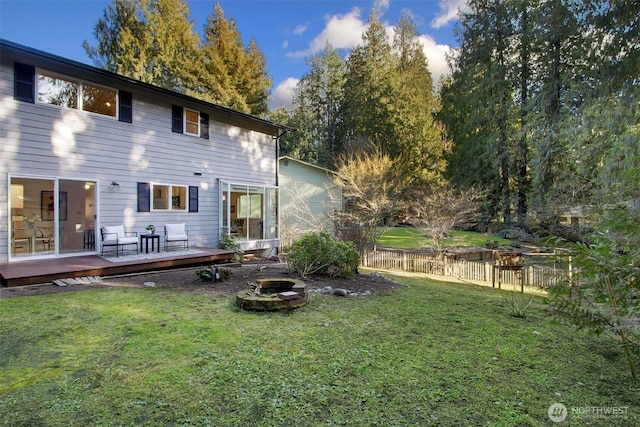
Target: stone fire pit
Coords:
[(273, 294)]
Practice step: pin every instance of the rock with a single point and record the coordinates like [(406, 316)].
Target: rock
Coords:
[(341, 292), (366, 293), (327, 290)]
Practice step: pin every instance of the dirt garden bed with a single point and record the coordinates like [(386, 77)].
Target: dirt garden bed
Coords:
[(185, 280)]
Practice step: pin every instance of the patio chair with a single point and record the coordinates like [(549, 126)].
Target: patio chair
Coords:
[(116, 236), (175, 233), (20, 239), (44, 237)]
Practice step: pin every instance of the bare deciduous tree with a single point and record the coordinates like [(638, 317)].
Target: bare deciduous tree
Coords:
[(299, 218), (372, 187), (437, 209)]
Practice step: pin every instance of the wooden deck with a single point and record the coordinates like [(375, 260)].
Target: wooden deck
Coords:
[(33, 272)]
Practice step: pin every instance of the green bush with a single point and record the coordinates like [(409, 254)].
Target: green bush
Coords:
[(320, 253), (208, 274), (229, 243)]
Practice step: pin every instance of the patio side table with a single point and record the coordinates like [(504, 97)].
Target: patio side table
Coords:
[(154, 238)]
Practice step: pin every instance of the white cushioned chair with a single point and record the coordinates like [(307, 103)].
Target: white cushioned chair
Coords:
[(176, 233), (116, 236)]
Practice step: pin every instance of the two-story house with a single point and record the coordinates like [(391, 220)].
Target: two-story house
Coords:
[(81, 147)]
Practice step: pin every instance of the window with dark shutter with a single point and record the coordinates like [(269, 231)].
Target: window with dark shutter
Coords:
[(204, 125), (193, 198), (25, 82), (144, 197), (176, 119), (126, 107)]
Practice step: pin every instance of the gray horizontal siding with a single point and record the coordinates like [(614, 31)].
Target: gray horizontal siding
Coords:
[(48, 141)]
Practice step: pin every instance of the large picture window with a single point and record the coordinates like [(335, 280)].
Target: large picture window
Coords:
[(98, 99), (58, 90)]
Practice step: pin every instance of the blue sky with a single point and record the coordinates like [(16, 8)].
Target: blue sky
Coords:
[(287, 31)]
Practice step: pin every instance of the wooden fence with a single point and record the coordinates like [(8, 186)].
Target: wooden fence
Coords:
[(543, 276)]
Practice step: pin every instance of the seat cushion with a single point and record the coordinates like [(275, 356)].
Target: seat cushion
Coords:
[(177, 237), (128, 240)]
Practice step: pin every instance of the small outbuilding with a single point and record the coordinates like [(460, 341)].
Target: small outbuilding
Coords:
[(308, 199)]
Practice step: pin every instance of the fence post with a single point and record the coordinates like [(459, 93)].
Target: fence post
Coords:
[(570, 275)]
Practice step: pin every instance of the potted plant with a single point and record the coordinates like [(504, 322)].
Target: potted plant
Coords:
[(151, 229)]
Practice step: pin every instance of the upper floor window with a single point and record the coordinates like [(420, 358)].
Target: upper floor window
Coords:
[(65, 92), (191, 122)]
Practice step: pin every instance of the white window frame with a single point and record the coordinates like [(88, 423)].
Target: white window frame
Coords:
[(79, 101), (185, 122), (170, 188), (270, 212)]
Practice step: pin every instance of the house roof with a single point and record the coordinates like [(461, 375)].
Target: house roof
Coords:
[(224, 114), (307, 164)]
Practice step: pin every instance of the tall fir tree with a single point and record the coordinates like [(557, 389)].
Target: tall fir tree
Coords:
[(154, 41), (175, 47), (123, 41), (368, 102), (422, 146), (316, 108), (482, 91)]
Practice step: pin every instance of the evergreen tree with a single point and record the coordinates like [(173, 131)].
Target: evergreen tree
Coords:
[(421, 145), (154, 41), (255, 81), (174, 57), (369, 101), (388, 103), (123, 41), (557, 52), (222, 50), (316, 108), (482, 94), (237, 74)]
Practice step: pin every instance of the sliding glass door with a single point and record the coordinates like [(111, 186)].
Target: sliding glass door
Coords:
[(249, 212), (76, 215), (32, 227), (51, 216)]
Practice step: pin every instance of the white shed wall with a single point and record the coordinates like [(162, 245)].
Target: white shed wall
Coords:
[(307, 197)]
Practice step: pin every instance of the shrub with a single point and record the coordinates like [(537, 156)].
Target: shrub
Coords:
[(517, 305), (213, 273), (320, 253), (229, 243)]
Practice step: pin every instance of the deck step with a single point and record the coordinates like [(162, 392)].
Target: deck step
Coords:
[(77, 281)]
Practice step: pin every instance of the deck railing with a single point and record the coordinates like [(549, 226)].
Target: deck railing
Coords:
[(543, 276)]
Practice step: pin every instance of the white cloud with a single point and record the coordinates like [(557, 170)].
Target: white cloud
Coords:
[(341, 31), (282, 95), (449, 11), (299, 29), (381, 5), (437, 56)]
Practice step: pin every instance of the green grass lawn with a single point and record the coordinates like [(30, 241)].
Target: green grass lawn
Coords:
[(412, 238), (432, 353)]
